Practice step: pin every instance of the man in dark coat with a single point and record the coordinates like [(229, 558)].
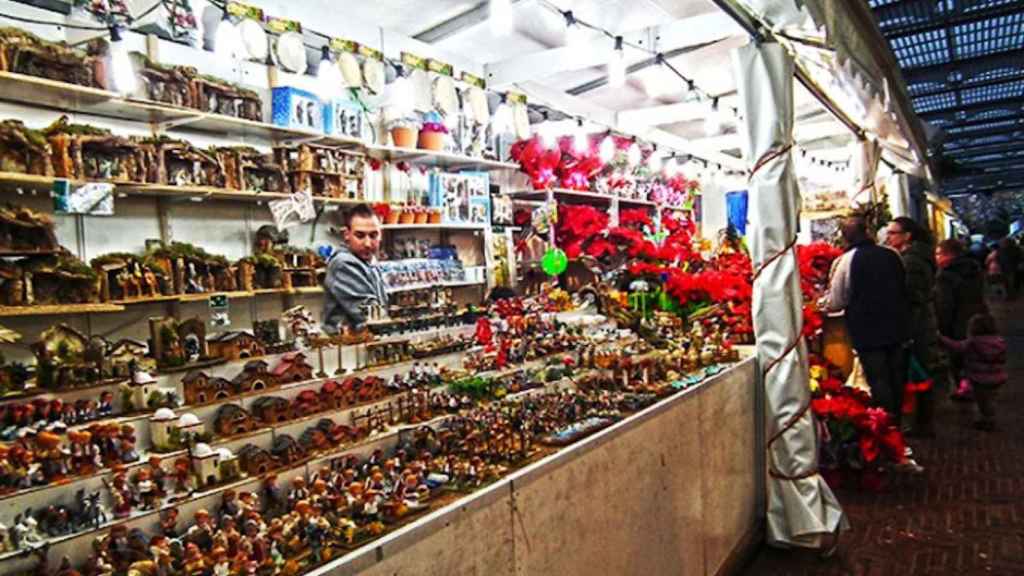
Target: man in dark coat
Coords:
[(868, 282), (915, 245), (959, 289), (1008, 255)]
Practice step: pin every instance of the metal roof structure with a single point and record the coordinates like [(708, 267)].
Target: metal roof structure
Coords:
[(963, 61)]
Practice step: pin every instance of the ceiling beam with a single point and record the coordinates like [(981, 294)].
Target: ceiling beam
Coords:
[(478, 14), (693, 31), (802, 133), (638, 67), (977, 134), (966, 153), (1008, 103), (961, 86), (1008, 142), (936, 21), (1018, 118), (941, 72)]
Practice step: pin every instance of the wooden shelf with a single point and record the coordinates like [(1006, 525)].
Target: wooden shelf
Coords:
[(64, 97), (58, 309), (204, 296), (400, 227), (26, 253), (577, 195), (435, 285)]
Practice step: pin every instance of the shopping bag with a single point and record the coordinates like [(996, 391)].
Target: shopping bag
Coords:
[(918, 380)]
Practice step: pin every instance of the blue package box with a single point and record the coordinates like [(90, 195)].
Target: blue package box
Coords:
[(343, 117), (297, 109)]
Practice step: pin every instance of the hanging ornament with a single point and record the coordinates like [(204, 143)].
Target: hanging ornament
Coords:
[(554, 262)]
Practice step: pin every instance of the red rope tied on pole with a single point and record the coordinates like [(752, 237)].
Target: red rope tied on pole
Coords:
[(791, 246)]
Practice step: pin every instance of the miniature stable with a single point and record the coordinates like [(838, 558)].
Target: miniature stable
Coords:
[(179, 409)]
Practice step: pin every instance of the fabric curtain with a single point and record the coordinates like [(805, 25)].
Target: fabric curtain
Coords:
[(801, 507)]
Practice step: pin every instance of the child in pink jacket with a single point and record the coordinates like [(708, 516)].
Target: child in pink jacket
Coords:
[(984, 353)]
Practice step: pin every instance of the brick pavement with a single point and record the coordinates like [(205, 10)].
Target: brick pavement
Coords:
[(964, 517)]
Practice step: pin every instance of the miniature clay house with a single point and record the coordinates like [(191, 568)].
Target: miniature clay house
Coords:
[(59, 279), (254, 376), (249, 170), (232, 420), (124, 277), (211, 467), (235, 345), (23, 150), (255, 461), (182, 164), (272, 410), (25, 230), (160, 425), (184, 86), (196, 387), (25, 53), (323, 170), (82, 152), (292, 368), (286, 450), (189, 426), (166, 84), (60, 359), (177, 344), (124, 356)]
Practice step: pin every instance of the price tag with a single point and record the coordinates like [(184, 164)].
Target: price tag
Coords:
[(473, 80), (282, 25), (93, 198), (368, 52), (413, 61), (245, 11), (291, 211), (439, 67), (516, 97), (342, 45), (304, 208)]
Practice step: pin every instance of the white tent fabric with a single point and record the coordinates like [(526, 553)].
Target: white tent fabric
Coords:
[(898, 189), (865, 172), (801, 507)]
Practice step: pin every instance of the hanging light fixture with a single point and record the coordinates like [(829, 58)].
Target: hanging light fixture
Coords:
[(122, 73), (328, 74), (227, 42), (714, 121), (617, 65), (634, 155), (656, 81), (574, 33), (607, 149), (500, 17), (580, 141), (654, 161)]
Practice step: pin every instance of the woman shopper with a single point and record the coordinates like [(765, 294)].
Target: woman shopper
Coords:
[(984, 355), (959, 295), (915, 245)]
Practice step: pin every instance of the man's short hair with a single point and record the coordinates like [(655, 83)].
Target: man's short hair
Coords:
[(357, 211), (952, 247), (854, 230)]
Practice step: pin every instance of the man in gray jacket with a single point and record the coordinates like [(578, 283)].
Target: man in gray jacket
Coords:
[(353, 281)]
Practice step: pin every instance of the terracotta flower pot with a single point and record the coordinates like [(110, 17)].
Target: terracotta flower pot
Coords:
[(404, 137), (408, 217), (432, 140), (393, 216), (435, 217), (422, 217)]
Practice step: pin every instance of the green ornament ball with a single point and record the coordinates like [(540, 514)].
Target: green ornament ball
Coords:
[(554, 262)]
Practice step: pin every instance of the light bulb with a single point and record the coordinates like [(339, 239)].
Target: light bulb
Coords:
[(656, 81), (121, 70), (654, 161), (329, 79), (546, 134), (633, 155), (580, 142), (617, 65), (500, 18), (227, 42), (607, 150)]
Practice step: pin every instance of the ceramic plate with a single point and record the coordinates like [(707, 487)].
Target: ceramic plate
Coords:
[(349, 67), (521, 120), (254, 39), (290, 52), (477, 105), (373, 75), (446, 101), (422, 90)]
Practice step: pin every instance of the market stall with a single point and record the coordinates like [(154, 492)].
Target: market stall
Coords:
[(174, 176)]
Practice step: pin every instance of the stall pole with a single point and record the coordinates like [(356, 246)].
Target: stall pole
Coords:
[(898, 189), (865, 159), (801, 507)]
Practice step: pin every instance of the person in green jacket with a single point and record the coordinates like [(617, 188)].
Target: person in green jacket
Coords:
[(915, 245)]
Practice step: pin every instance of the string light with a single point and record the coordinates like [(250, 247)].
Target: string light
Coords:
[(501, 18), (503, 122), (671, 167), (607, 149), (121, 70), (654, 161), (656, 84), (548, 139), (634, 155), (580, 142), (715, 121), (574, 33), (617, 65), (328, 75), (227, 42)]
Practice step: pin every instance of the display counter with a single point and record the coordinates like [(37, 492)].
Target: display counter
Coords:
[(674, 489)]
